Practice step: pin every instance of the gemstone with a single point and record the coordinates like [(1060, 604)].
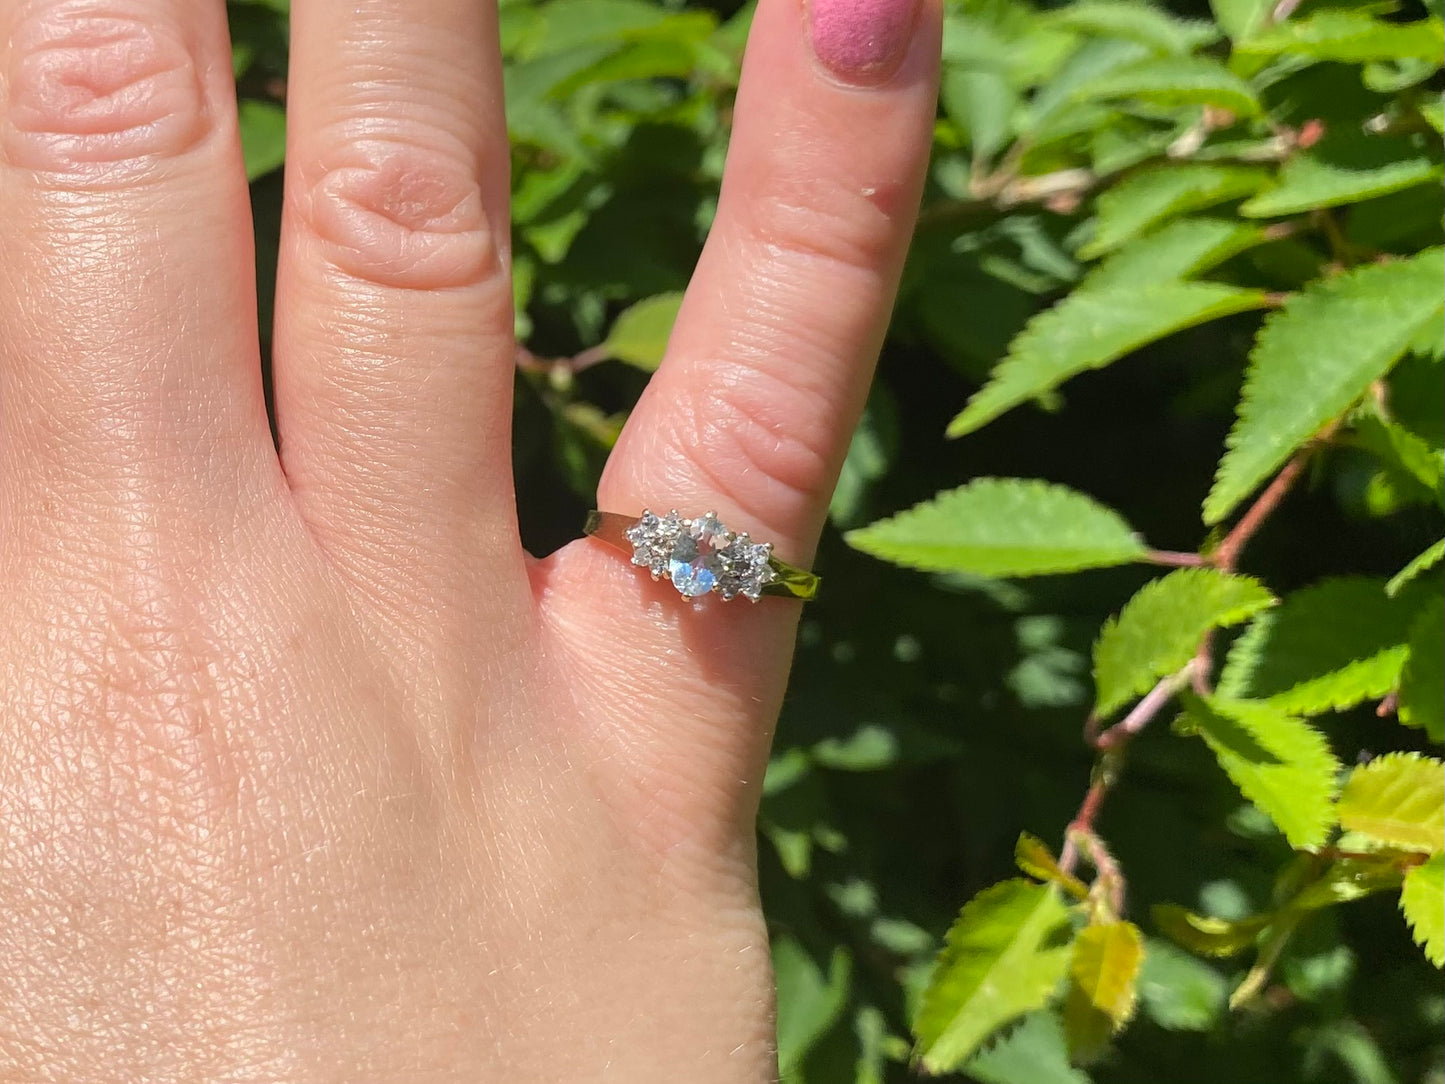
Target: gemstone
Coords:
[(695, 561)]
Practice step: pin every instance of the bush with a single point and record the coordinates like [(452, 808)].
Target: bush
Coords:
[(1241, 206)]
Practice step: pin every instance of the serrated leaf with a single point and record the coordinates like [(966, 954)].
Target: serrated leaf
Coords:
[(1308, 182), (1033, 857), (1398, 799), (1349, 36), (1179, 250), (1146, 199), (1139, 22), (1179, 992), (1176, 81), (1422, 898), (1205, 934), (1089, 330), (1326, 647), (1032, 1053), (1317, 356), (1159, 629), (1005, 956), (1003, 527), (1422, 679), (639, 335), (1105, 968), (1423, 562), (1280, 763)]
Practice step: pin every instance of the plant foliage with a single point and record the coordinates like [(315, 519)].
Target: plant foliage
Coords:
[(1145, 227)]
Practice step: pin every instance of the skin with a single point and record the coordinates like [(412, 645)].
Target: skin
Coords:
[(307, 771)]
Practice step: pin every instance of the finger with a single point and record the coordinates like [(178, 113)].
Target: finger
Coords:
[(394, 320), (770, 360), (128, 356), (751, 412)]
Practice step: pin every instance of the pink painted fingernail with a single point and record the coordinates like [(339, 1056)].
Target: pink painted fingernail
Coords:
[(861, 41)]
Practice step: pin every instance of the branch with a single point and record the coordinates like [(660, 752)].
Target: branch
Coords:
[(1145, 711), (1110, 745), (1175, 559), (1226, 556)]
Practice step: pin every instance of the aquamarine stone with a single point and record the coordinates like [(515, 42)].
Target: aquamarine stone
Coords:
[(694, 563)]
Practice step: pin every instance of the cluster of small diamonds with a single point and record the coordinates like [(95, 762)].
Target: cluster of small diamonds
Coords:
[(701, 556)]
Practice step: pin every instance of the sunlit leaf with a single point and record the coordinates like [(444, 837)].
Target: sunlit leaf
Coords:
[(1003, 527), (639, 336), (1005, 956), (1148, 198), (1398, 799), (1326, 647), (1422, 898), (1318, 355), (1159, 629), (1280, 763)]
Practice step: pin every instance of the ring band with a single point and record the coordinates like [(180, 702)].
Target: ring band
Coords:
[(701, 556)]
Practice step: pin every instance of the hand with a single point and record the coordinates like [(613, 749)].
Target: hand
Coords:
[(307, 771)]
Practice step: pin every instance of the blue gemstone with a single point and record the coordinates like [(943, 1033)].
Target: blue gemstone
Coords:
[(694, 564)]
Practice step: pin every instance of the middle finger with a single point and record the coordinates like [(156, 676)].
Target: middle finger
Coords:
[(394, 315)]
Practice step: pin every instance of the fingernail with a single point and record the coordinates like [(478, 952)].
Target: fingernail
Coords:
[(861, 41)]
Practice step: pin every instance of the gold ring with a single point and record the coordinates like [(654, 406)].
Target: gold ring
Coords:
[(701, 556)]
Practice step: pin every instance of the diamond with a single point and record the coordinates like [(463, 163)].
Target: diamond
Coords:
[(695, 561), (700, 555)]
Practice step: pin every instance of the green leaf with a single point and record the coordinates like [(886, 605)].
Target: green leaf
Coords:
[(263, 135), (1398, 799), (981, 102), (1205, 934), (1423, 562), (1089, 330), (809, 1002), (1326, 647), (1179, 992), (1422, 898), (1033, 856), (1180, 250), (1005, 956), (1148, 198), (1350, 36), (1003, 527), (1308, 182), (1159, 629), (1280, 763), (639, 336), (1400, 450), (1317, 356), (1241, 18), (1345, 880), (1422, 680), (1103, 987), (1032, 1053), (1176, 81), (1138, 22)]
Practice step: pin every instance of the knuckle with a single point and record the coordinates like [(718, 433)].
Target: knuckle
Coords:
[(401, 214), (96, 86), (744, 434), (821, 221)]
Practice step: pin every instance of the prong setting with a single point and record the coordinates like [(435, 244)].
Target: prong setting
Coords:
[(700, 556)]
